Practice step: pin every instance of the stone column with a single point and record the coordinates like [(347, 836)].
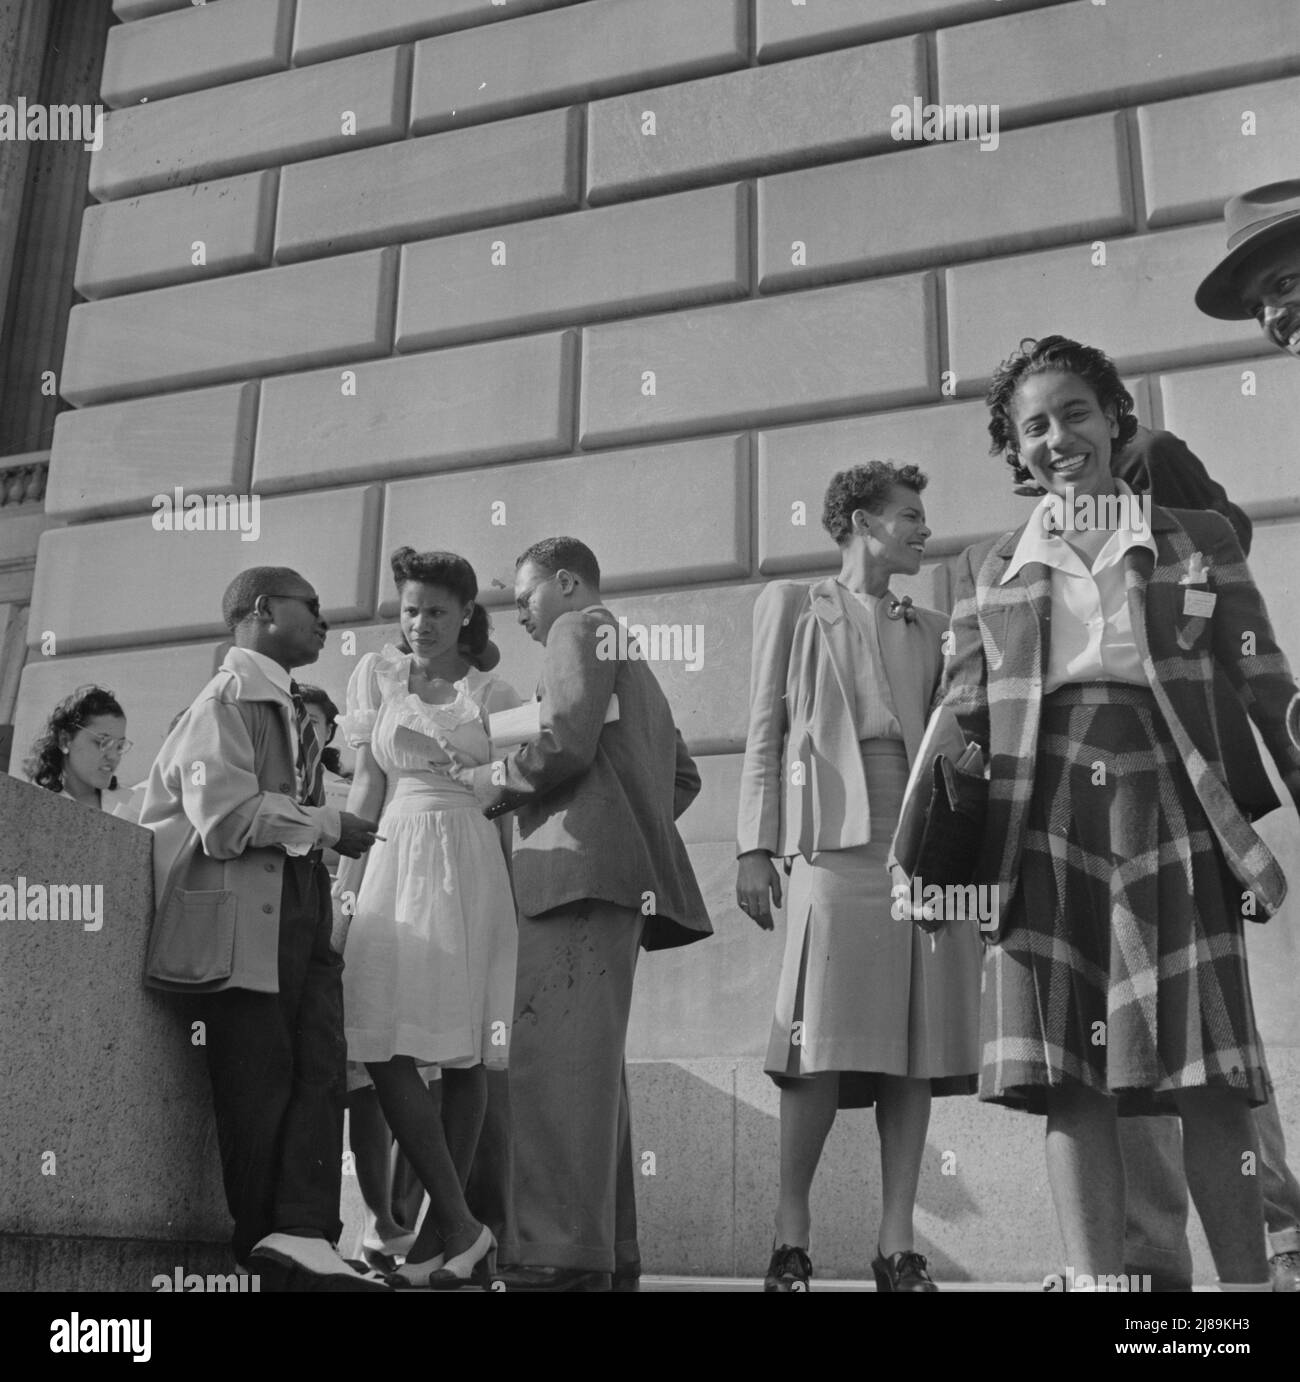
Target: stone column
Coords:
[(24, 25), (49, 230)]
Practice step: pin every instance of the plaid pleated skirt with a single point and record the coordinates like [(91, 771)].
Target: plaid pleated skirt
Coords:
[(1123, 966)]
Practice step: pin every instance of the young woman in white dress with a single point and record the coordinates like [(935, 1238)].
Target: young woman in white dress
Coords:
[(430, 970)]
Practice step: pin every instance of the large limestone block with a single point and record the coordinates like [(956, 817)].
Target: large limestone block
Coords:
[(786, 29), (893, 212), (202, 46), (649, 255), (1137, 306), (334, 28), (1243, 421), (141, 9), (1198, 152), (657, 516), (712, 997), (711, 817), (257, 123), (418, 187), (1067, 59), (831, 350), (108, 1128), (683, 1117), (167, 585), (432, 411), (119, 458), (148, 242), (754, 121), (572, 54), (273, 320)]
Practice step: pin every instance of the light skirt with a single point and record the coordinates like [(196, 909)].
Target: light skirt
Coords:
[(861, 993), (430, 964)]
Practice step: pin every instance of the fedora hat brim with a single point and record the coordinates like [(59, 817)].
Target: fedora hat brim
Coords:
[(1219, 295)]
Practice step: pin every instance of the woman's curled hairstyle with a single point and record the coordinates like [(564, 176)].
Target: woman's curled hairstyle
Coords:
[(864, 487), (1058, 355), (44, 766), (452, 573)]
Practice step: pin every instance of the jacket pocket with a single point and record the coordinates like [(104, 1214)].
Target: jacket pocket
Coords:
[(193, 940)]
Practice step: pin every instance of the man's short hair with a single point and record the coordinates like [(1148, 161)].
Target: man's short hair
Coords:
[(564, 554), (241, 594)]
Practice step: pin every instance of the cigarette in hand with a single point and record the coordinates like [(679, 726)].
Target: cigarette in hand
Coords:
[(384, 838)]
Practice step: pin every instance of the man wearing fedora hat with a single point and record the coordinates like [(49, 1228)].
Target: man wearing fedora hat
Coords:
[(1258, 277)]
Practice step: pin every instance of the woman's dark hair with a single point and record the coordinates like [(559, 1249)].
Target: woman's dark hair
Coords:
[(453, 574), (44, 766), (1053, 355), (864, 487)]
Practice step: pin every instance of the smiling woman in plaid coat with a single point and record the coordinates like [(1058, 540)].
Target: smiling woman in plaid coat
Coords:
[(1083, 659)]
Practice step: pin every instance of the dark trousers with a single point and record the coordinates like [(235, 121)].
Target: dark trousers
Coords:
[(276, 1061), (574, 1202)]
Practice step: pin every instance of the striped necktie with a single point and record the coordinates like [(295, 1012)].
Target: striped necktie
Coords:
[(311, 786)]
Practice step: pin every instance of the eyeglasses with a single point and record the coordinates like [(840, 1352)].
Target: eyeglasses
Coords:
[(522, 603), (312, 603), (105, 743)]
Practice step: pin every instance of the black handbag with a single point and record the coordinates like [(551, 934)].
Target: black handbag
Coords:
[(954, 822)]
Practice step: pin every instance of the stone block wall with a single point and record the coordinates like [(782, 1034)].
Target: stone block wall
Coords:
[(462, 273)]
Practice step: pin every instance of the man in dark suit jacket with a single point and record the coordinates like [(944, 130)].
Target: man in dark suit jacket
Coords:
[(1258, 277), (599, 871)]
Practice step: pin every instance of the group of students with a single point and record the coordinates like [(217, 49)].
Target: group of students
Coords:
[(1107, 661), (473, 943), (464, 949)]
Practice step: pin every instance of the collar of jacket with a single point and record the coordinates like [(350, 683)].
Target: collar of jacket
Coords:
[(253, 683), (1162, 521)]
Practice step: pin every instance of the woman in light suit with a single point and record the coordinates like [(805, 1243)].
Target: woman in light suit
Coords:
[(1086, 649), (868, 1010)]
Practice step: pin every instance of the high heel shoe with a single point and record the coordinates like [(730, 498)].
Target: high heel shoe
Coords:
[(416, 1276), (902, 1271), (477, 1264), (789, 1269)]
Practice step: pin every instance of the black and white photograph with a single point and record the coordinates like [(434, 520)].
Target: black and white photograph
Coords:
[(650, 646)]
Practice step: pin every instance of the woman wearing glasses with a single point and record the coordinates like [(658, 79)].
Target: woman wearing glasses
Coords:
[(431, 950), (78, 751)]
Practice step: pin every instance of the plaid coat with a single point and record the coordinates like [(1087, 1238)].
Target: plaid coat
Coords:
[(997, 661)]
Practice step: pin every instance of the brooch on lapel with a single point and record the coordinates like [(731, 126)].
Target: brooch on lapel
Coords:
[(1197, 571), (901, 609)]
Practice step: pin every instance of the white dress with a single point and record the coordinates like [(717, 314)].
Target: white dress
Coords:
[(430, 961)]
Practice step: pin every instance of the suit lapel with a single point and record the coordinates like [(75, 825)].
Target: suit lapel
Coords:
[(827, 597)]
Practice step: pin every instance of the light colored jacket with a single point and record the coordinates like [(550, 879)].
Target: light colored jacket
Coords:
[(803, 710), (222, 804)]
